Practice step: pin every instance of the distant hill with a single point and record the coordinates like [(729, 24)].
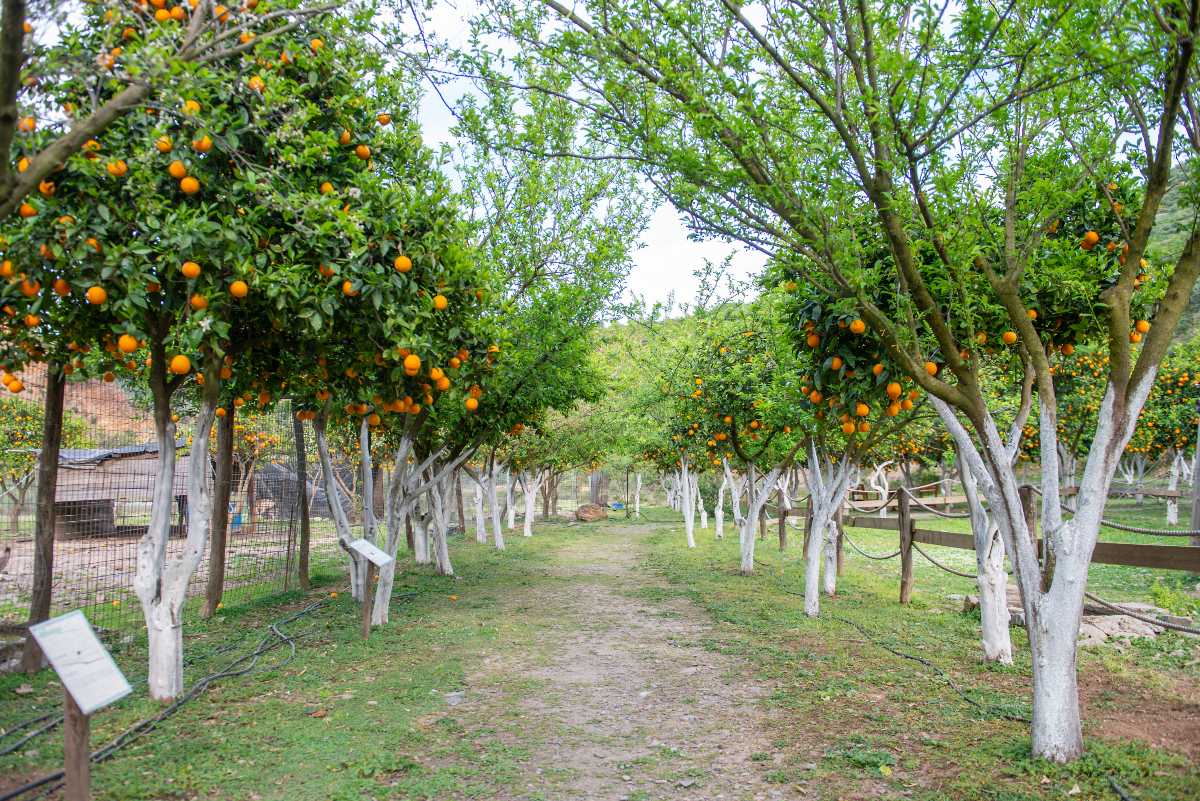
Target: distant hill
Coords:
[(1171, 230)]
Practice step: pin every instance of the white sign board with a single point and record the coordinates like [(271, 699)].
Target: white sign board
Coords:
[(82, 662), (371, 553)]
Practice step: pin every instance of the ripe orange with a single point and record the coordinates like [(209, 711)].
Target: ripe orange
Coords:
[(862, 409), (32, 320), (472, 404), (189, 185), (348, 289), (345, 138), (203, 144), (857, 326), (363, 152), (316, 44), (893, 409), (402, 263), (27, 210), (1009, 337), (440, 303), (1135, 337), (384, 119), (815, 396), (198, 302), (221, 13), (1142, 326), (239, 289), (906, 404), (177, 170), (931, 368), (863, 426), (127, 343), (96, 295), (256, 83), (163, 144), (1067, 349), (191, 107), (1089, 240), (22, 164), (412, 362), (15, 386), (117, 169), (893, 390), (30, 288), (374, 419), (812, 340), (221, 411), (27, 124), (1032, 314), (190, 270), (847, 428), (326, 188), (836, 363)]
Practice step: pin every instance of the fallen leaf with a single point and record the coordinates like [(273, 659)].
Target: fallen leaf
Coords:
[(1074, 790), (319, 713), (24, 689)]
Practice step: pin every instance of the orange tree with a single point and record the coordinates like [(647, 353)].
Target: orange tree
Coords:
[(135, 48), (960, 172), (189, 239)]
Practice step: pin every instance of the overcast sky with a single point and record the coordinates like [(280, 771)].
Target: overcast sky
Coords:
[(665, 264)]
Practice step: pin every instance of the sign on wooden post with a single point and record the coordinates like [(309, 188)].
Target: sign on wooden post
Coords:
[(91, 681), (376, 558)]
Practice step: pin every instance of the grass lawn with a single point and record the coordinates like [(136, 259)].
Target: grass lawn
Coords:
[(844, 718)]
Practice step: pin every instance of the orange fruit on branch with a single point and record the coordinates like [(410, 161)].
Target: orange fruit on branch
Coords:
[(96, 295), (180, 364)]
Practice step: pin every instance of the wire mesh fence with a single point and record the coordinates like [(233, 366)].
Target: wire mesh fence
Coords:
[(105, 480)]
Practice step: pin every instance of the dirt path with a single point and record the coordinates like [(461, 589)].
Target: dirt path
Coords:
[(634, 698)]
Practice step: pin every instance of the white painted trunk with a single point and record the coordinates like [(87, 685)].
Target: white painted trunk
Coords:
[(341, 523), (510, 501), (421, 552), (637, 495), (1053, 616), (828, 484), (700, 502), (161, 584), (1173, 486), (481, 535), (438, 526), (689, 506), (494, 505), (992, 579), (530, 484), (719, 509)]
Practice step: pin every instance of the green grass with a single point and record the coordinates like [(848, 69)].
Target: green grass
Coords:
[(877, 724), (347, 719), (344, 719)]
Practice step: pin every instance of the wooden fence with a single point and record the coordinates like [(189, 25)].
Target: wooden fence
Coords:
[(911, 529)]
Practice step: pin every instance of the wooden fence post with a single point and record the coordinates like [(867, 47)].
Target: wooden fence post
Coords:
[(302, 499), (782, 523), (906, 544)]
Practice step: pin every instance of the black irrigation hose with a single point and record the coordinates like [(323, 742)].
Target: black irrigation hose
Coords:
[(921, 660), (238, 667)]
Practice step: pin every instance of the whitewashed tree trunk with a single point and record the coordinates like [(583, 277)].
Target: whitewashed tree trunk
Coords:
[(699, 502), (1173, 486), (992, 579), (828, 484), (689, 506), (879, 483), (719, 508), (530, 484), (161, 583), (494, 505), (735, 494), (637, 495), (481, 535), (832, 531), (1053, 615), (510, 500), (439, 496), (759, 493), (341, 522)]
